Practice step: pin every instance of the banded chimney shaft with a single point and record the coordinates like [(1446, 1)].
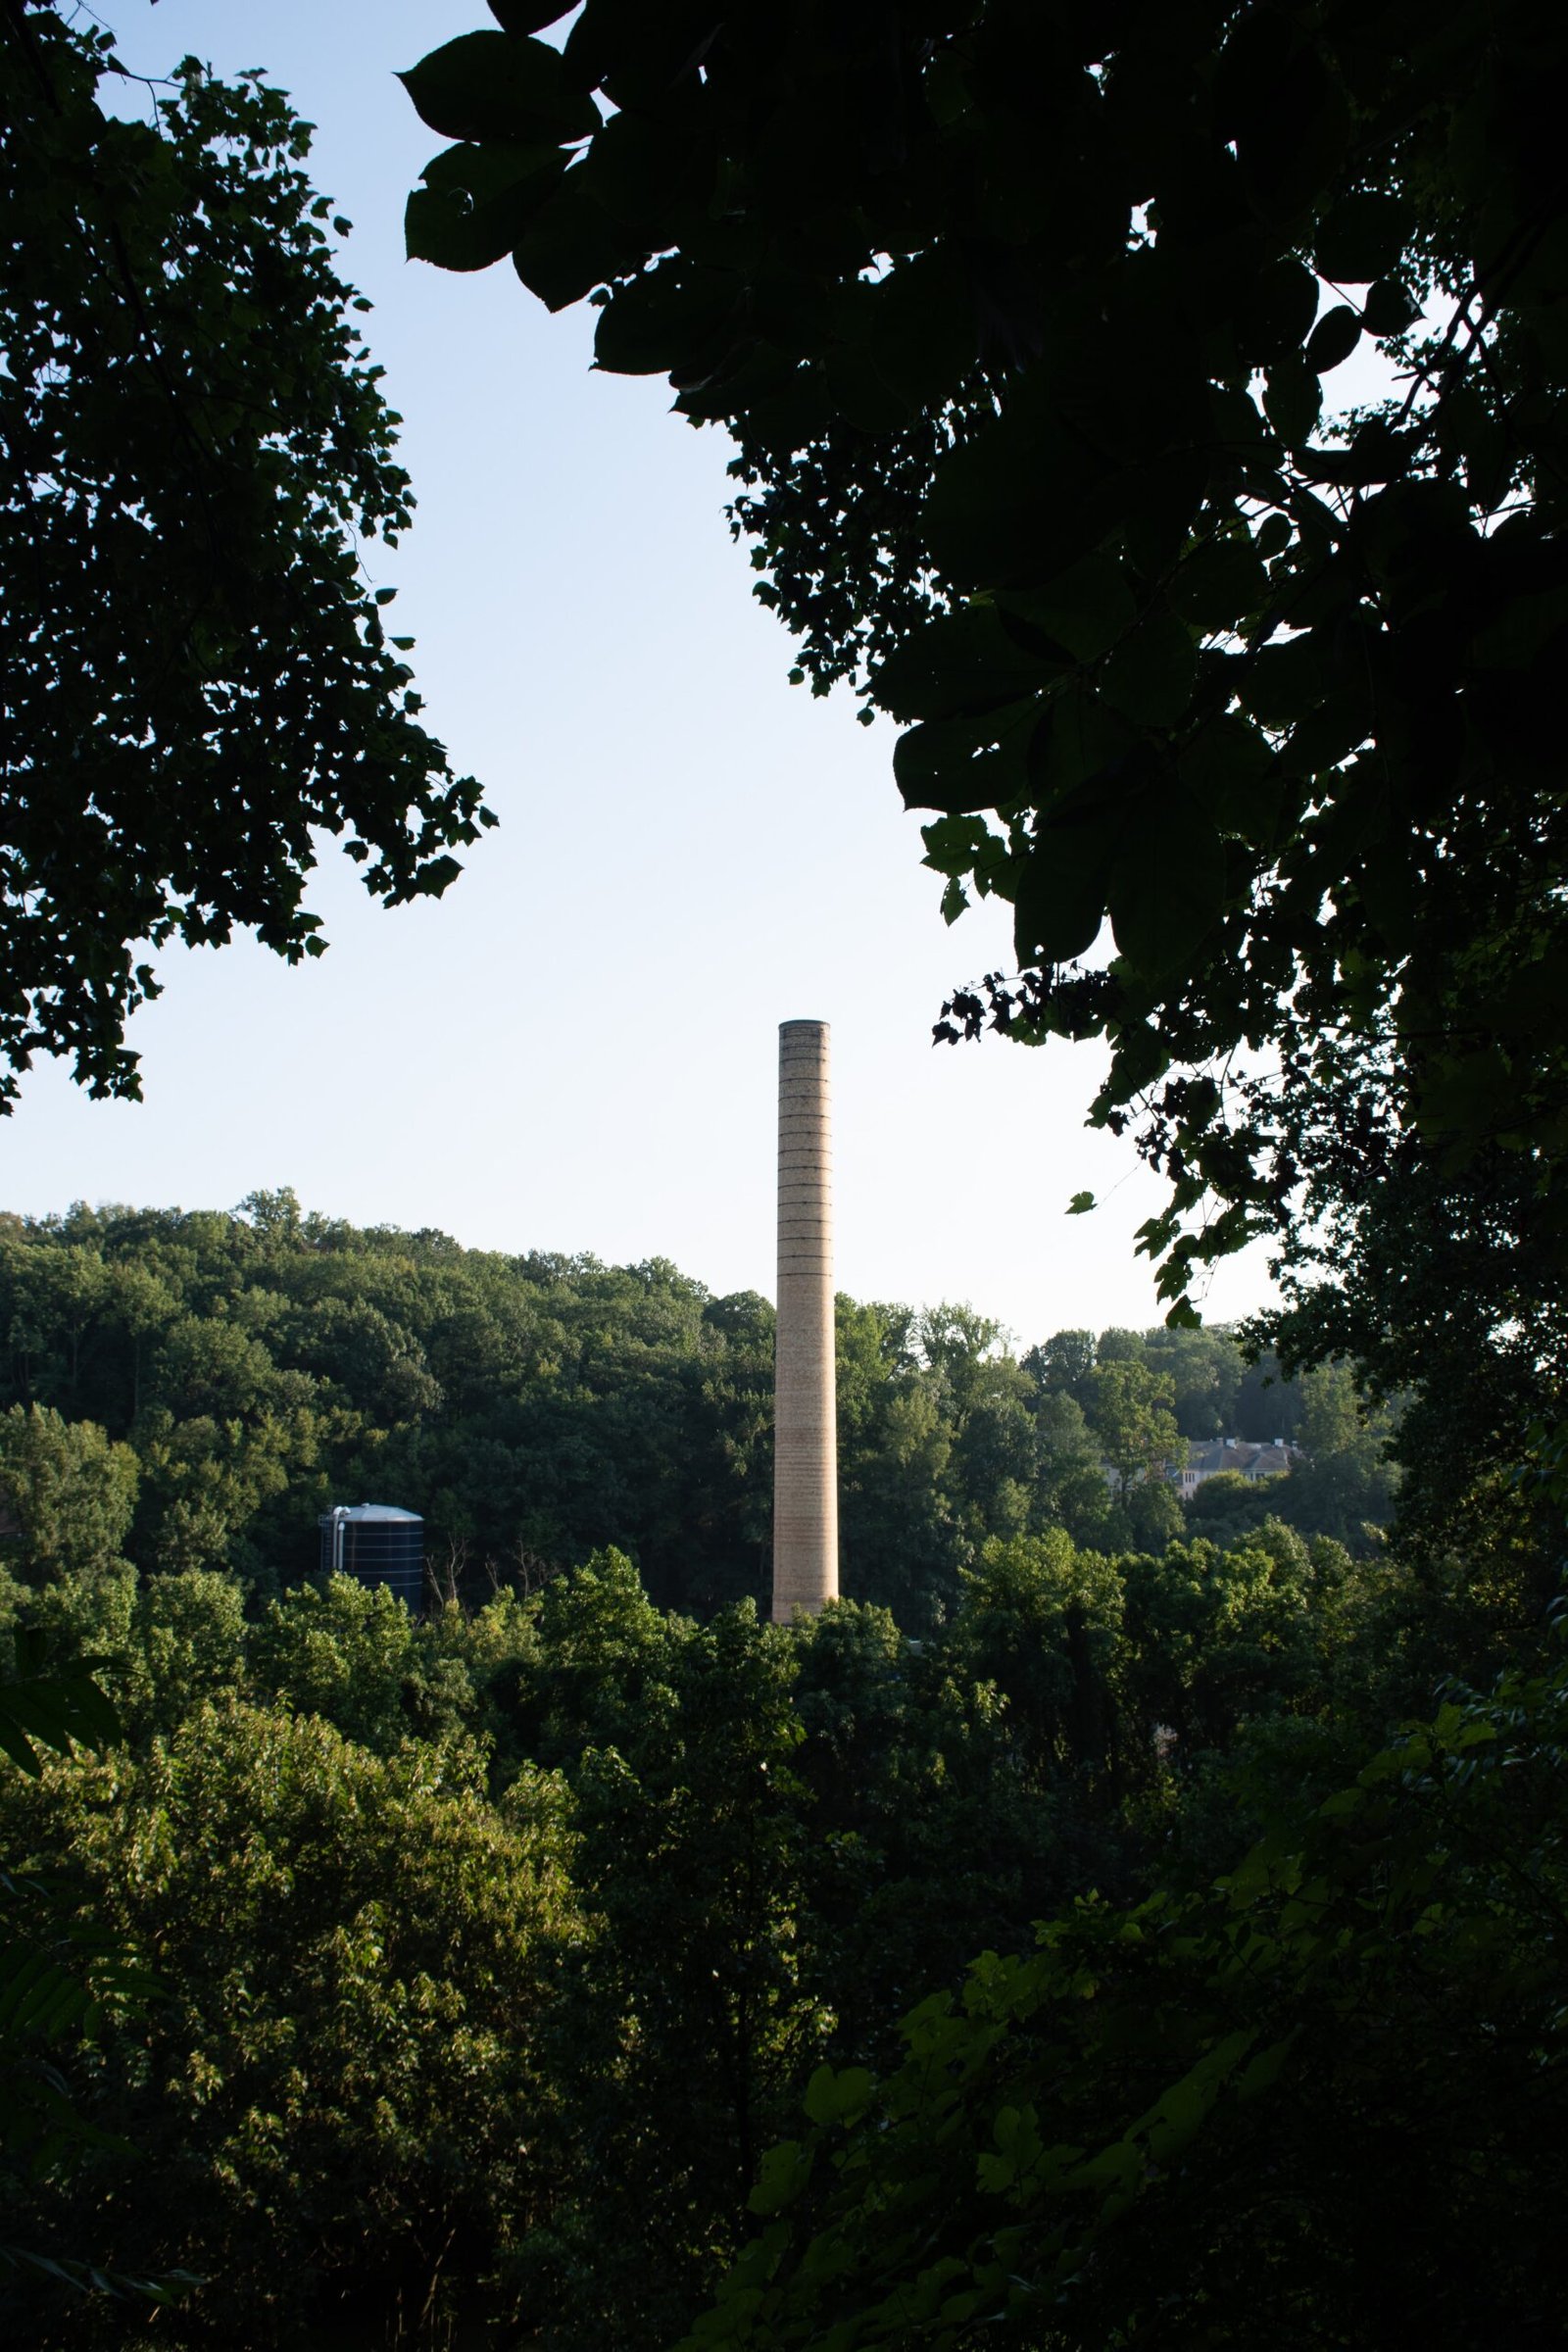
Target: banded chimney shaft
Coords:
[(805, 1467)]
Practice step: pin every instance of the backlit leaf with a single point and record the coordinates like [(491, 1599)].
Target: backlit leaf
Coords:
[(490, 86)]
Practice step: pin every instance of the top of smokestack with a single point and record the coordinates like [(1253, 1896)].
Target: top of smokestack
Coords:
[(783, 1025)]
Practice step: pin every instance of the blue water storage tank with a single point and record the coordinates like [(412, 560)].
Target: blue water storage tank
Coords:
[(376, 1543)]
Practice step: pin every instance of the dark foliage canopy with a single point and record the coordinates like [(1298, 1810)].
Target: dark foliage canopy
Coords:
[(1313, 2104), (196, 674), (1026, 317)]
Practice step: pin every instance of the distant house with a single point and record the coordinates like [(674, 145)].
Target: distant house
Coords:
[(1240, 1454)]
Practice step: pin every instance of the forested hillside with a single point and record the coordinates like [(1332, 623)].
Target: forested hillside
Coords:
[(205, 1385), (489, 1956), (493, 1953)]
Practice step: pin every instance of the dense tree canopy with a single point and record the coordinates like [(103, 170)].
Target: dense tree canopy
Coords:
[(497, 1977), (1299, 2106), (196, 677), (185, 1389), (483, 1959), (1026, 317), (462, 1975), (416, 1977)]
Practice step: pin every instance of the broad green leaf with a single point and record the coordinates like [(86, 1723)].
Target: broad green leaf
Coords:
[(837, 2099), (1332, 339), (490, 86), (1232, 773), (1276, 308), (965, 661), (1087, 607), (957, 764), (1362, 237), (1326, 736), (1388, 308), (527, 16), (1148, 678), (475, 202), (652, 174), (1024, 495), (572, 245), (920, 327), (1059, 889), (782, 2175), (652, 325), (1468, 1095), (1376, 453), (859, 394), (1293, 399), (1166, 889), (1081, 738), (1469, 430), (1291, 147), (1282, 681), (55, 1711), (1221, 584), (954, 845)]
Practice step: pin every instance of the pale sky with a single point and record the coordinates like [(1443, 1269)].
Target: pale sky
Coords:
[(576, 1049)]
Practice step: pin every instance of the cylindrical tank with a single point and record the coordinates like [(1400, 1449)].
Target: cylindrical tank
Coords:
[(376, 1543)]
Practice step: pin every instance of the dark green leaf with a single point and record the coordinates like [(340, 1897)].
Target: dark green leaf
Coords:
[(1332, 339), (837, 2099), (1292, 400), (1166, 889), (958, 764), (1362, 237), (1276, 308), (1060, 889), (1231, 771), (651, 171), (475, 202), (954, 845), (965, 661), (1027, 495), (1258, 54), (489, 86), (662, 320), (1292, 146), (1376, 454), (1085, 609), (782, 2175), (1282, 682), (1148, 678), (55, 1711), (527, 16), (1388, 308), (572, 245), (1468, 1097), (920, 327), (1221, 584), (1081, 739), (1387, 888)]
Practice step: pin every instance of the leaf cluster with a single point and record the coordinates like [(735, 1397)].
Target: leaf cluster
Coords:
[(198, 679), (1304, 2102), (1026, 320)]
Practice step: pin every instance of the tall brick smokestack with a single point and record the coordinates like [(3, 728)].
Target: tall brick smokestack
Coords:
[(805, 1472)]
